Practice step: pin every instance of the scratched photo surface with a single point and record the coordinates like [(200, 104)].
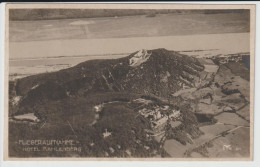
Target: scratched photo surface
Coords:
[(129, 83)]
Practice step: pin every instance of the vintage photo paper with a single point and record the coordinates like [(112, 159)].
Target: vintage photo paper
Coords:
[(129, 82)]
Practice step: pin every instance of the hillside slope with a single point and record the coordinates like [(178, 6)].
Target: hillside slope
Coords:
[(161, 74), (147, 104), (107, 97)]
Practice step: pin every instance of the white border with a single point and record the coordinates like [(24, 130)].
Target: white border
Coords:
[(255, 163), (2, 46)]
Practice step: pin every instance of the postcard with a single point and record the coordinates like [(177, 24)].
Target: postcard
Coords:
[(129, 82)]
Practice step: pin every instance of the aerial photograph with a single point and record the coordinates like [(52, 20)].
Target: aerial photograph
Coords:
[(129, 83)]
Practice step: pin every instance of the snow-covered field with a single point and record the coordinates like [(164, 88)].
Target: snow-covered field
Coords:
[(29, 116)]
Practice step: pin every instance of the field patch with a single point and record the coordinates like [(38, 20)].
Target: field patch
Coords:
[(231, 118), (235, 144), (174, 148), (245, 112)]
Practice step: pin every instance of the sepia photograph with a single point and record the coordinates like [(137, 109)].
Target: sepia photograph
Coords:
[(129, 81)]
